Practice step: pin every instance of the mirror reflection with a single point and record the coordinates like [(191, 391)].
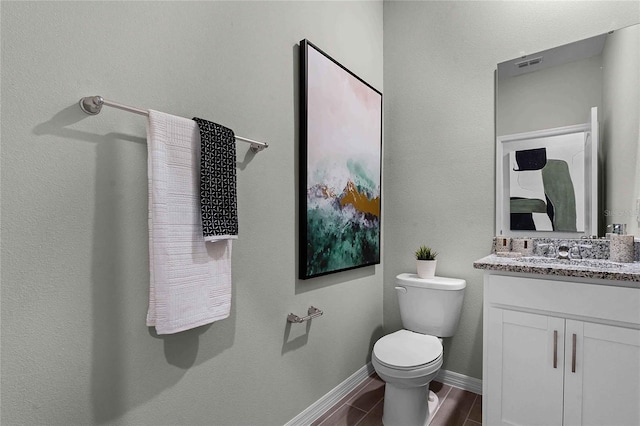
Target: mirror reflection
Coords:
[(560, 88)]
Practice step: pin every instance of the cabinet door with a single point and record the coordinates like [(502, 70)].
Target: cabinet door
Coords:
[(525, 354), (602, 385)]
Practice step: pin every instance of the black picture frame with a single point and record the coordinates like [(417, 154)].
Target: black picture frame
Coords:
[(340, 182)]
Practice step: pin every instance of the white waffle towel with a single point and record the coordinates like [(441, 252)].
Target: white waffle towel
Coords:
[(190, 279)]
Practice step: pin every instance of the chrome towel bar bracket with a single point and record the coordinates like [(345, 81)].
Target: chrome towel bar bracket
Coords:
[(311, 313)]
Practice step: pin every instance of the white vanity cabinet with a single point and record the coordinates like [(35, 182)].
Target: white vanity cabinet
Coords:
[(560, 352)]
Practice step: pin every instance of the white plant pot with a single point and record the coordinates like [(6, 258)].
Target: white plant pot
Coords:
[(426, 268)]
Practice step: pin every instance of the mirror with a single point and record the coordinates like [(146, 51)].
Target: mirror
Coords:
[(550, 105)]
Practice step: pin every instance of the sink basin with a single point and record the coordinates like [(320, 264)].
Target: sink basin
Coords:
[(589, 263)]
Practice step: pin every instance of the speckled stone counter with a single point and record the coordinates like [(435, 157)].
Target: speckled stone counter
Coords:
[(586, 268)]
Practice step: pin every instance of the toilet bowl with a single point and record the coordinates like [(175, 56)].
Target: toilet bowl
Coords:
[(407, 362), (408, 359)]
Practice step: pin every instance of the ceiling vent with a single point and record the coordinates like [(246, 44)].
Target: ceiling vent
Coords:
[(529, 62)]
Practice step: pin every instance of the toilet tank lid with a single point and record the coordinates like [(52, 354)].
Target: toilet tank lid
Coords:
[(436, 283)]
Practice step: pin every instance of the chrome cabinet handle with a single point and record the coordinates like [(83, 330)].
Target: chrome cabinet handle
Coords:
[(555, 348), (573, 355)]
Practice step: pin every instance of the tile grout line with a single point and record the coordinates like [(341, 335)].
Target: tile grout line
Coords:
[(370, 410), (335, 411), (366, 413), (355, 392), (440, 402), (470, 408)]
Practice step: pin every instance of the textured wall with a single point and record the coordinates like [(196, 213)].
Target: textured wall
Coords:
[(621, 139), (548, 98), (75, 348), (74, 242), (440, 59)]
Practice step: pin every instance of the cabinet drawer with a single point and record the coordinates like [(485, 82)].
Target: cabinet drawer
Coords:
[(564, 298)]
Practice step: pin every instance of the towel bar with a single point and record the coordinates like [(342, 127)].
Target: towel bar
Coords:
[(92, 105), (312, 313)]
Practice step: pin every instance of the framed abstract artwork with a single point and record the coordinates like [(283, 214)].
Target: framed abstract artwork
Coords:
[(340, 167), (546, 182)]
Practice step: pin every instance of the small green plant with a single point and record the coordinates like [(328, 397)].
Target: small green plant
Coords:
[(425, 253)]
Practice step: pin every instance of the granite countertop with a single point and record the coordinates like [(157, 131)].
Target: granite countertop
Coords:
[(583, 268)]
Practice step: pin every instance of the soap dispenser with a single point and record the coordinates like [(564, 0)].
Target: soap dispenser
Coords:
[(621, 246)]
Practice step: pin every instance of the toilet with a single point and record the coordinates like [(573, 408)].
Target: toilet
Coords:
[(409, 359)]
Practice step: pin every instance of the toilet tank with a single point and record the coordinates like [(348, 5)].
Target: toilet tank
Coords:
[(430, 305)]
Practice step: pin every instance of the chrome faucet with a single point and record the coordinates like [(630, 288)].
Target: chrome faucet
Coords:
[(563, 252), (573, 252)]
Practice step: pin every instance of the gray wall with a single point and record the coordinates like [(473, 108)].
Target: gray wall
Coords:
[(75, 348), (621, 139), (439, 65), (74, 242), (552, 97)]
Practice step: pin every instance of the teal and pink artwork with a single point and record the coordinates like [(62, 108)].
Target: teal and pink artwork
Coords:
[(340, 167)]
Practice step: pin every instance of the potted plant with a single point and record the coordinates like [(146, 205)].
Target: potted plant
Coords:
[(426, 262)]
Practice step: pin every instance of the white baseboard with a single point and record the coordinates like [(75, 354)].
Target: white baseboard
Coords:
[(331, 398), (461, 381), (318, 408)]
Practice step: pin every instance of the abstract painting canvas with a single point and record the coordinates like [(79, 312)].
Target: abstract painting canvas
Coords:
[(547, 185), (340, 167)]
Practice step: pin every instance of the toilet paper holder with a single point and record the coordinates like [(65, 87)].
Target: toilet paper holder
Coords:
[(313, 312)]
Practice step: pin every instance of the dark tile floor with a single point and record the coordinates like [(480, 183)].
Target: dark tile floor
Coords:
[(363, 406)]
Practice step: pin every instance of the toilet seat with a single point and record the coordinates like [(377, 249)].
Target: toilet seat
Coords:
[(407, 350)]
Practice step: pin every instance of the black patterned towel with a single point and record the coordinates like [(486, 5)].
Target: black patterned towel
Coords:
[(218, 198)]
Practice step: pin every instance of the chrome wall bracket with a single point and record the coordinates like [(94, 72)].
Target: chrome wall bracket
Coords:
[(313, 312), (91, 104)]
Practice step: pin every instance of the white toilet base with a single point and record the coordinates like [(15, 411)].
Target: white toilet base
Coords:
[(407, 406), (433, 405)]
